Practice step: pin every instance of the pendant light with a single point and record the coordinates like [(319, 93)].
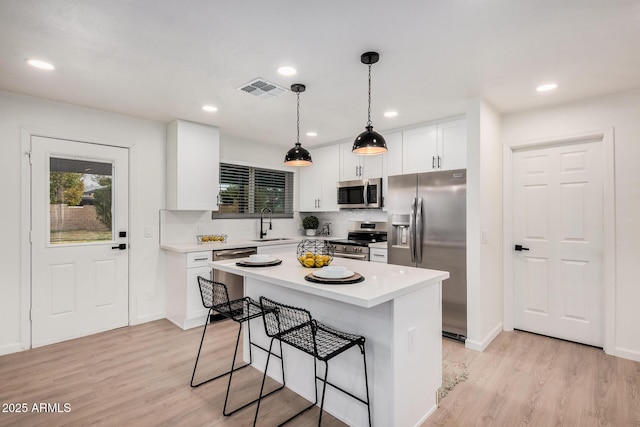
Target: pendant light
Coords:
[(369, 142), (298, 156)]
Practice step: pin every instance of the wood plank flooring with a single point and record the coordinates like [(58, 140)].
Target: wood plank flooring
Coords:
[(524, 379), (140, 376)]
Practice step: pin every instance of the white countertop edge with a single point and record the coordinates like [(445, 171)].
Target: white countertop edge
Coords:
[(236, 244), (331, 291)]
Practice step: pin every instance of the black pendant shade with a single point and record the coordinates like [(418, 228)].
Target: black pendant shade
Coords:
[(298, 156), (369, 142)]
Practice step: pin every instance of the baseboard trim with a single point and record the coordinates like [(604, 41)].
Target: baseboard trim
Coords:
[(149, 318), (427, 415), (625, 353), (482, 345), (14, 347)]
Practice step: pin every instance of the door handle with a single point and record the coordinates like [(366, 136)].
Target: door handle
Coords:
[(121, 246), (521, 248)]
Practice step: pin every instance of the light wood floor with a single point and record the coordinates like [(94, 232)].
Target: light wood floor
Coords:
[(140, 376)]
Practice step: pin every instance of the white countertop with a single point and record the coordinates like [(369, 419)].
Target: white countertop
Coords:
[(383, 282), (230, 244), (236, 244)]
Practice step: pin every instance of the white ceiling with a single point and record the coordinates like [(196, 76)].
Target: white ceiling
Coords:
[(164, 59)]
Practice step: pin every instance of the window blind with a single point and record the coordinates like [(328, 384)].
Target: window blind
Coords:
[(246, 190)]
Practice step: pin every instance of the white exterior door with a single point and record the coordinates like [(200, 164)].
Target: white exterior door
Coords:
[(79, 223), (558, 217)]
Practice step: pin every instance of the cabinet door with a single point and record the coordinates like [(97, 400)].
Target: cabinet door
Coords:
[(452, 144), (371, 166), (309, 190), (329, 158), (350, 163), (419, 150), (393, 157), (195, 310), (193, 166)]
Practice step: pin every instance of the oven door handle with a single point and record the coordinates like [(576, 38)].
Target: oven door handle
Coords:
[(363, 257)]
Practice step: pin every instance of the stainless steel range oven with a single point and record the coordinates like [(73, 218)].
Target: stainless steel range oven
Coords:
[(361, 234)]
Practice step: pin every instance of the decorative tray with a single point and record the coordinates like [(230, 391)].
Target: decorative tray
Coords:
[(269, 263), (355, 278)]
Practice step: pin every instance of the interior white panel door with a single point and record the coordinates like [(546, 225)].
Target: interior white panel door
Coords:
[(558, 205), (79, 272)]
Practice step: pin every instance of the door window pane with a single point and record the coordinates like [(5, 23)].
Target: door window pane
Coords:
[(80, 201)]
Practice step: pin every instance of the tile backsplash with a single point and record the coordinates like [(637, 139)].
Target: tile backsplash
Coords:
[(184, 226)]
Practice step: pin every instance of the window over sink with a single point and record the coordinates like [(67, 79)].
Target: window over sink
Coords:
[(246, 190)]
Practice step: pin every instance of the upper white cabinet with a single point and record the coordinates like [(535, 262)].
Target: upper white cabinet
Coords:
[(441, 146), (419, 149), (318, 181), (393, 157), (356, 166), (452, 144), (193, 163)]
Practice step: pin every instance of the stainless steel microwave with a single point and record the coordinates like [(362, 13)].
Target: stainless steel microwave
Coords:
[(360, 194)]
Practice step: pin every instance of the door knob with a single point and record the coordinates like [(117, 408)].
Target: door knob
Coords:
[(521, 248), (121, 246)]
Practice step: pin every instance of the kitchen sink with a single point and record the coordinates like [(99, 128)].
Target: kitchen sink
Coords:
[(275, 239)]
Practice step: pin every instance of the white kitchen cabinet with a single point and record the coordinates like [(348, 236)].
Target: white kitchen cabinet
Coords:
[(393, 156), (193, 166), (419, 149), (184, 303), (452, 144), (441, 146), (318, 181), (378, 255), (356, 166)]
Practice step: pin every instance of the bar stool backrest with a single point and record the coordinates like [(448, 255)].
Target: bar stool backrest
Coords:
[(290, 324), (214, 294)]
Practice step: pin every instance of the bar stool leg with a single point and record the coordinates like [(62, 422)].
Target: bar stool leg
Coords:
[(264, 378), (324, 390), (366, 381), (233, 362), (199, 350)]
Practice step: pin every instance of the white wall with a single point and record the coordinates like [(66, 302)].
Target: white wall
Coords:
[(484, 225), (620, 111), (147, 187)]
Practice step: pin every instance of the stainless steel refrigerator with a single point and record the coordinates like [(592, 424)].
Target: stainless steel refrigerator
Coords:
[(427, 216)]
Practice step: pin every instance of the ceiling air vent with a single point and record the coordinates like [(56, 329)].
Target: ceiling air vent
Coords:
[(262, 88)]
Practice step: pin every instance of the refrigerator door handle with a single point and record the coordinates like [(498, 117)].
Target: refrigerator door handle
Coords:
[(412, 231), (419, 230)]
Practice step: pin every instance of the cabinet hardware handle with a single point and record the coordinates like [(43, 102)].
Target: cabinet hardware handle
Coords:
[(200, 259), (438, 162), (433, 162)]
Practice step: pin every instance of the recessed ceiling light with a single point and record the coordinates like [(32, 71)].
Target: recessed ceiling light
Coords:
[(40, 64), (390, 113), (287, 71), (546, 87), (312, 133), (210, 108)]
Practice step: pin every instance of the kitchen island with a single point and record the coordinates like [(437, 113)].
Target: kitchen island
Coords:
[(396, 308)]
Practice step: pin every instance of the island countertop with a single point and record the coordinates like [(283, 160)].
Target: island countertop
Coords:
[(383, 282)]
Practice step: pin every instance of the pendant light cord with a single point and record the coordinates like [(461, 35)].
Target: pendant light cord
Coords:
[(298, 124), (369, 111)]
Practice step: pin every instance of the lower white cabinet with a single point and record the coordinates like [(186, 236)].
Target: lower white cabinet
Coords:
[(184, 303), (378, 255)]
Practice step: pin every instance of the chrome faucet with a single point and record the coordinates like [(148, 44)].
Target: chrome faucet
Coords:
[(264, 233)]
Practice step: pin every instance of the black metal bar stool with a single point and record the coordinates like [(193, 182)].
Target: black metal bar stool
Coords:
[(215, 297), (296, 327)]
